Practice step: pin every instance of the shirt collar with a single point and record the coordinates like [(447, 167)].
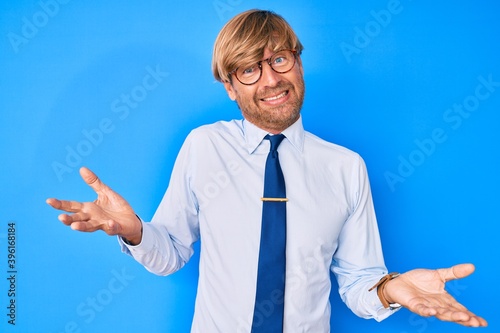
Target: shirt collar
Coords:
[(254, 135)]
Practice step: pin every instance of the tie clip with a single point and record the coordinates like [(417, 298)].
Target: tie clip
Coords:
[(275, 199)]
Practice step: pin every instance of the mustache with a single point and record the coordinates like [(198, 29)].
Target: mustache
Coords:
[(272, 91)]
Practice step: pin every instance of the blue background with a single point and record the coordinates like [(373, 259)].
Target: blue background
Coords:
[(388, 87)]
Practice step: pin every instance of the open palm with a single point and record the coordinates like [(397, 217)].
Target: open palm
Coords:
[(423, 291), (109, 212)]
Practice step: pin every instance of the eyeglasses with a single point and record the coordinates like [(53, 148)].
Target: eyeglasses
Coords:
[(281, 62)]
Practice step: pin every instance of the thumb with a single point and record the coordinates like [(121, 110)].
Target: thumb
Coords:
[(113, 228), (456, 272), (91, 179)]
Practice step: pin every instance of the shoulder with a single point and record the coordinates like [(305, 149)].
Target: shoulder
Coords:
[(204, 141), (216, 136), (218, 130), (321, 147)]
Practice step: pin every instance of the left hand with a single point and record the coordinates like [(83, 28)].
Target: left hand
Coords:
[(422, 292)]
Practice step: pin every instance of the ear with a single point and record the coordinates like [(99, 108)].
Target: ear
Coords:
[(299, 62), (230, 90)]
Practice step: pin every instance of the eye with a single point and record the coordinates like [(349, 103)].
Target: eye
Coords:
[(279, 60), (248, 71)]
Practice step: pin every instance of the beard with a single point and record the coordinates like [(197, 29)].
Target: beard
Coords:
[(277, 118)]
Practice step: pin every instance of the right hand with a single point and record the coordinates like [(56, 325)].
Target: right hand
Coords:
[(109, 212)]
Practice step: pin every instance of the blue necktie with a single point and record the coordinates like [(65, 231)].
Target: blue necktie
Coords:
[(269, 300)]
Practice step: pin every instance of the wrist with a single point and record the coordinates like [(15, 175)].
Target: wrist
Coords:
[(134, 239), (384, 291), (381, 286)]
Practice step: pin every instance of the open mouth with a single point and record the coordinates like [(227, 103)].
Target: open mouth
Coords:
[(276, 97)]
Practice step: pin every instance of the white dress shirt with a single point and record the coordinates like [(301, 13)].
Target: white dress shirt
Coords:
[(214, 195)]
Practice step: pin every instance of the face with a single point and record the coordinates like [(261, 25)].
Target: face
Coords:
[(274, 102)]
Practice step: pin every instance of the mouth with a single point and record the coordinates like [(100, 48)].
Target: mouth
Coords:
[(276, 98)]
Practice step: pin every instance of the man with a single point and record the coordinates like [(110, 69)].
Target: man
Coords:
[(215, 193)]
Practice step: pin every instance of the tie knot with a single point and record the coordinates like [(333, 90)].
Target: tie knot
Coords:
[(275, 141)]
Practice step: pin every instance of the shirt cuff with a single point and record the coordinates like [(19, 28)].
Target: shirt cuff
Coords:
[(143, 247)]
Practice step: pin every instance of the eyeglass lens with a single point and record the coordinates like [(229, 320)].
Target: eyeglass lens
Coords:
[(280, 62)]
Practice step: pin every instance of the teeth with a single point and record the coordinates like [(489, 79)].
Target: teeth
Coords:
[(283, 94)]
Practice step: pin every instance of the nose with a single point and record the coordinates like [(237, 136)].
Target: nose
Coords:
[(269, 76)]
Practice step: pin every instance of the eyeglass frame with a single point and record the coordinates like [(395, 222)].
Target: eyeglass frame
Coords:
[(268, 60)]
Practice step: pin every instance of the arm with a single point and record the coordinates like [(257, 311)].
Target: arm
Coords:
[(358, 262), (151, 244), (162, 246), (421, 290)]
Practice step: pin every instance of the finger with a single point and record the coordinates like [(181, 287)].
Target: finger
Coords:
[(456, 272), (53, 202), (112, 228), (92, 225), (442, 313), (84, 226), (78, 217), (92, 180), (451, 311), (424, 310), (465, 318), (68, 206), (482, 321)]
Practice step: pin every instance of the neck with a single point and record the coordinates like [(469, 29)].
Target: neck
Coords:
[(276, 128)]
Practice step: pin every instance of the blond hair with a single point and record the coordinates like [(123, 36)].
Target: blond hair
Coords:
[(245, 37)]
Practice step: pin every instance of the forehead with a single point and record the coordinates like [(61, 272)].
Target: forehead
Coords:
[(268, 53)]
